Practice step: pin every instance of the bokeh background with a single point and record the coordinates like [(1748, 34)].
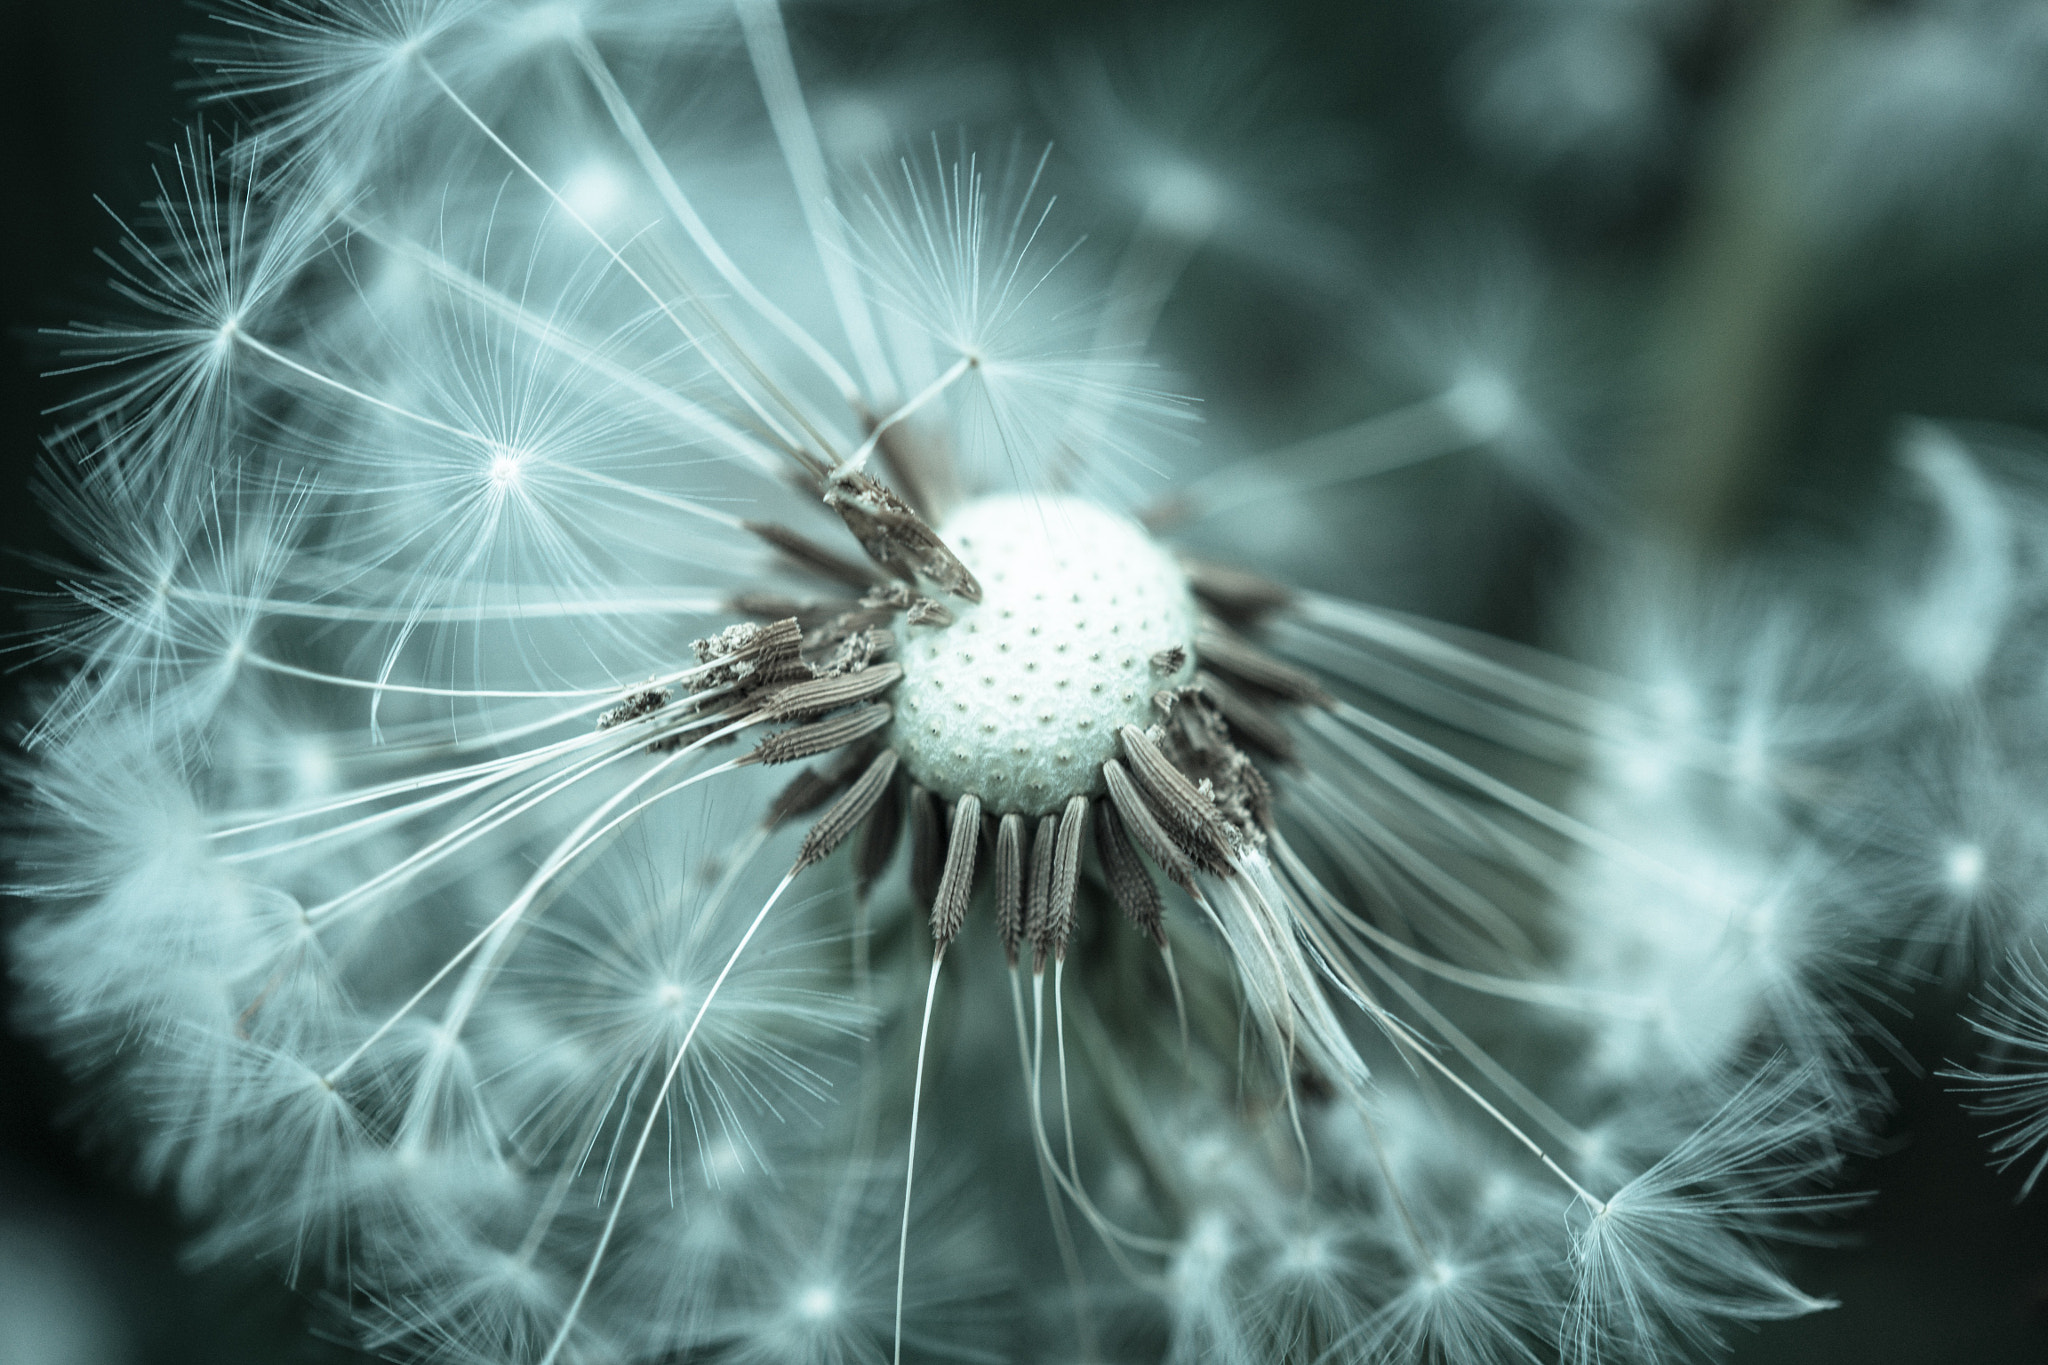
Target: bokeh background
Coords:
[(1721, 248)]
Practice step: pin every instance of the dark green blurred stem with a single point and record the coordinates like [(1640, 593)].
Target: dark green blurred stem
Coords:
[(1730, 343)]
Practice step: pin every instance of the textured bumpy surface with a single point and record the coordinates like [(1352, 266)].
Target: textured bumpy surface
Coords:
[(1019, 700)]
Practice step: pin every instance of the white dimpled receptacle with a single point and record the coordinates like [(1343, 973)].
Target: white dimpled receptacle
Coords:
[(1019, 700)]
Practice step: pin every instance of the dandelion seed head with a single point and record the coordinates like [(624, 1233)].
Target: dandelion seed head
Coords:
[(1963, 868), (1021, 697), (817, 1303), (507, 467), (1204, 1253), (1306, 1255), (595, 193), (723, 1160), (428, 901), (1184, 198), (856, 127), (1647, 766), (1485, 400), (312, 765)]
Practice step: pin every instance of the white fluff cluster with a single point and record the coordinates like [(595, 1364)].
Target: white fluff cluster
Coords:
[(409, 885)]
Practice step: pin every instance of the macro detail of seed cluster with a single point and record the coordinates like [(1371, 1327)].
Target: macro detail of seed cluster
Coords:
[(1071, 675), (664, 748)]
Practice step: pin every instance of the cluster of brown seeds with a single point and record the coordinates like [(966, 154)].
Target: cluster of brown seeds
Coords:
[(1183, 793)]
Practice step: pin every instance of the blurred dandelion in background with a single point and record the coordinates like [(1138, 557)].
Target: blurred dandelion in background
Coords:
[(666, 738)]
